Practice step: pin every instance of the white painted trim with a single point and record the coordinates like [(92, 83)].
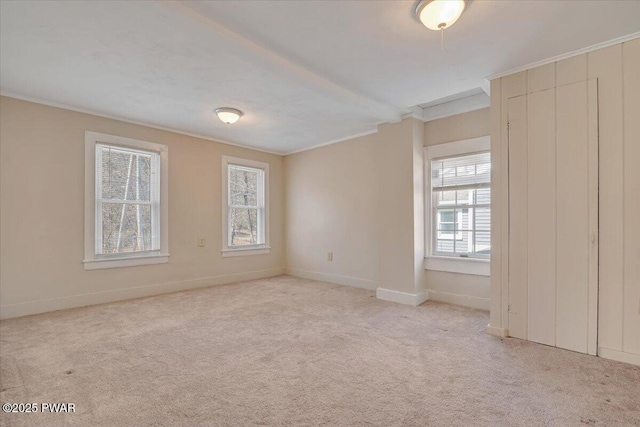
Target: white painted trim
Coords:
[(473, 266), (463, 300), (402, 297), (334, 141), (355, 282), (256, 249), (417, 112), (91, 261), (619, 356), (181, 132), (245, 252), (567, 55), (101, 263), (43, 306), (466, 146), (133, 122), (497, 332), (486, 87), (458, 106)]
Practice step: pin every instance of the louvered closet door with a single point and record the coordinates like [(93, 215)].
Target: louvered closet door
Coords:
[(553, 208)]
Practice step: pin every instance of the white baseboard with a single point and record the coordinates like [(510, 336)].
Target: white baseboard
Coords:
[(620, 356), (333, 278), (43, 306), (463, 300), (402, 297), (498, 332)]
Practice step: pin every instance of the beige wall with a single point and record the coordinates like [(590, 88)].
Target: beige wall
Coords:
[(42, 211), (616, 69), (456, 128), (355, 199), (453, 287), (363, 199), (331, 206), (396, 184)]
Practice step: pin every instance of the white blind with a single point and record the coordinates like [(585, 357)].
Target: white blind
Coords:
[(456, 173)]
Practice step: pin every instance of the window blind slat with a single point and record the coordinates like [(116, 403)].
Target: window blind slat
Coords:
[(462, 187), (451, 172)]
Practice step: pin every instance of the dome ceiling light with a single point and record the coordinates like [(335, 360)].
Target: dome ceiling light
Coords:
[(229, 115), (439, 14)]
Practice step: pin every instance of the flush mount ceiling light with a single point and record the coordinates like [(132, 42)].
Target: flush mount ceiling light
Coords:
[(229, 115), (439, 14)]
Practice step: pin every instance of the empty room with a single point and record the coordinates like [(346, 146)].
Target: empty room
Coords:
[(320, 212)]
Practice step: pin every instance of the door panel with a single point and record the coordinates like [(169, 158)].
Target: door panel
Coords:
[(572, 217), (553, 216), (517, 122), (542, 216)]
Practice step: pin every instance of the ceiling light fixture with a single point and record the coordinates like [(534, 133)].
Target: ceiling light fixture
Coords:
[(229, 115), (439, 14)]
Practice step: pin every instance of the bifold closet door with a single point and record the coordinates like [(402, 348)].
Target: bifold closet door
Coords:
[(518, 217), (553, 208), (577, 216)]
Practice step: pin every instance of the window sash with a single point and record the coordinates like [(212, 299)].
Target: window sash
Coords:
[(259, 207), (438, 186), (154, 201), (457, 233)]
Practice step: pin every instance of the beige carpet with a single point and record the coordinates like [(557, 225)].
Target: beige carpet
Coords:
[(287, 351)]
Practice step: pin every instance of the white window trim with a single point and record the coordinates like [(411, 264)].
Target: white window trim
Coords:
[(261, 249), (462, 265), (91, 262)]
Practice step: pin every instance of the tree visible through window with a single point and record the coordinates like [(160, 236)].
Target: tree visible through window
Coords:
[(127, 200), (246, 206)]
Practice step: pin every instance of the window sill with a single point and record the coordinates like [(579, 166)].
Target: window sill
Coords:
[(245, 251), (132, 261), (473, 266)]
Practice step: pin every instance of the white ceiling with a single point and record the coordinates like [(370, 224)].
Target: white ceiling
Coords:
[(305, 73)]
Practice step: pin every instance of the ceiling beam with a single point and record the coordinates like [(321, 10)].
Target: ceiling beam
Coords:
[(261, 56), (486, 86), (451, 108)]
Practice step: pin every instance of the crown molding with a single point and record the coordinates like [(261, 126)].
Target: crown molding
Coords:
[(133, 122), (567, 55), (334, 141)]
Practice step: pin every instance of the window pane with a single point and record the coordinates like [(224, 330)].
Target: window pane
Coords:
[(243, 186), (446, 198), (447, 217), (464, 242), (459, 184), (465, 219), (243, 227), (483, 219), (446, 223), (483, 196), (126, 228), (444, 245), (126, 175), (461, 170), (483, 243), (464, 197)]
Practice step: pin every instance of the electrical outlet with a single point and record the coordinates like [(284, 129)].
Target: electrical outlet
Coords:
[(201, 242), (329, 256)]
